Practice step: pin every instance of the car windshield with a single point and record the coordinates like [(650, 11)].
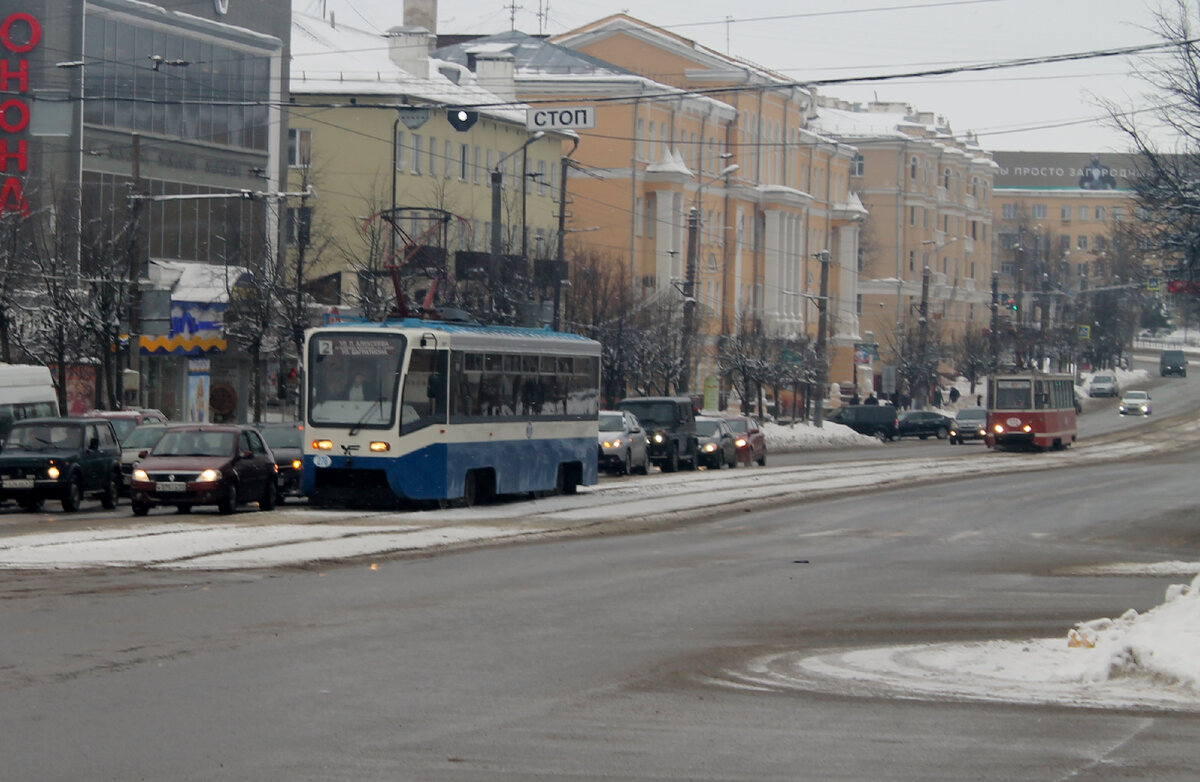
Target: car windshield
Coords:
[(123, 426), (707, 428), (912, 415), (1102, 379), (45, 437), (144, 437), (974, 414), (283, 436), (612, 422), (652, 412), (190, 442), (737, 424), (1137, 396)]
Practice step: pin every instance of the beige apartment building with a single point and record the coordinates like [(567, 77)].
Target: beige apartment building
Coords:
[(929, 193), (767, 225)]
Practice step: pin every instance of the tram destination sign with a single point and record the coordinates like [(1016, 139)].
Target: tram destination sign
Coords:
[(560, 117)]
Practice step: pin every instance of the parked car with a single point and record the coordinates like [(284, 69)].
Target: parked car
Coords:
[(136, 447), (749, 438), (1135, 403), (125, 421), (970, 423), (1172, 362), (1103, 384), (878, 421), (622, 444), (206, 464), (670, 424), (923, 424), (718, 445), (286, 441), (64, 459)]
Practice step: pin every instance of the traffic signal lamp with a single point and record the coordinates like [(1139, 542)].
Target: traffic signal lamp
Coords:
[(1012, 304), (461, 119)]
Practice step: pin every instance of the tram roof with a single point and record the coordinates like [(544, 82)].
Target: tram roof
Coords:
[(475, 335)]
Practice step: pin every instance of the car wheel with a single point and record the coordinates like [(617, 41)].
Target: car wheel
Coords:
[(228, 503), (269, 494), (762, 460), (74, 496), (140, 508), (733, 461), (645, 468), (627, 464), (111, 492), (880, 435), (941, 433), (672, 462)]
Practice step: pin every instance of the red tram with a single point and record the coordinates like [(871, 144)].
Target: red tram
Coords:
[(1031, 410)]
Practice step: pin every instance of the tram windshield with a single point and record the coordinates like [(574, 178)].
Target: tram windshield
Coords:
[(1013, 395), (353, 378)]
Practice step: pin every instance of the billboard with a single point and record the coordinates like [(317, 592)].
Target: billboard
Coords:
[(1064, 170)]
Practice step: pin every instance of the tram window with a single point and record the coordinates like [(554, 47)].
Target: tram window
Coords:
[(529, 365), (424, 393), (546, 365)]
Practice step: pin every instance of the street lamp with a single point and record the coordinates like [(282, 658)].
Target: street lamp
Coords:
[(497, 179), (689, 286)]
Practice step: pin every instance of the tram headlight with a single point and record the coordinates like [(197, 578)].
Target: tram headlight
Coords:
[(998, 428), (379, 446), (1027, 428), (322, 445), (297, 464)]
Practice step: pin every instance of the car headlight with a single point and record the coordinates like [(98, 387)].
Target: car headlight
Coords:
[(658, 438), (53, 472), (140, 475), (710, 447), (208, 476), (740, 442)]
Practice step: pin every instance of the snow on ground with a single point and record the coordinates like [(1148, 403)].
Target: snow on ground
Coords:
[(1133, 661)]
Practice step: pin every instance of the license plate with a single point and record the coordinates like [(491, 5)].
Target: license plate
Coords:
[(170, 486), (18, 483)]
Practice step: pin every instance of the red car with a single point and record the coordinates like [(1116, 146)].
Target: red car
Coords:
[(751, 442), (206, 464)]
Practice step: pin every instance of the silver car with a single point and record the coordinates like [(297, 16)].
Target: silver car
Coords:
[(1103, 384), (1135, 403), (622, 444)]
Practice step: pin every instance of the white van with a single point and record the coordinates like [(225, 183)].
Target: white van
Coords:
[(25, 392)]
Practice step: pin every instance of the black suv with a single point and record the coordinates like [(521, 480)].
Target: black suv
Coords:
[(60, 459), (1172, 362), (879, 421), (670, 424)]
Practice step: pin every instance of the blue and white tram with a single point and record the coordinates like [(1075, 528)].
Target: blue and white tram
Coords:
[(429, 411)]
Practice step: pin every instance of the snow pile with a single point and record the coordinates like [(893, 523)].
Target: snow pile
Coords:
[(801, 436), (1159, 645)]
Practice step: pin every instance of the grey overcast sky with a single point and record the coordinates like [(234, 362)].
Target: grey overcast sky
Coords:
[(1050, 107)]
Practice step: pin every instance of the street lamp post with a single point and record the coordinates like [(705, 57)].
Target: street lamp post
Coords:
[(689, 285), (497, 179)]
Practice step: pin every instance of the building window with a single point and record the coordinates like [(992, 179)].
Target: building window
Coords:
[(447, 160), (478, 169), (1083, 243), (1039, 211), (1064, 243), (1118, 213), (416, 154), (1008, 211), (912, 168), (1065, 213), (857, 166), (299, 147), (398, 146), (462, 162), (1101, 214), (912, 260), (1085, 213), (433, 146), (912, 216)]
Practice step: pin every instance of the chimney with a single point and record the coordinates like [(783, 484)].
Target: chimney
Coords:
[(495, 72), (409, 48), (421, 13)]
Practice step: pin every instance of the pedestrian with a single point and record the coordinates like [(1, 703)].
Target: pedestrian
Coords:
[(937, 397), (979, 400), (954, 395), (856, 399), (871, 400)]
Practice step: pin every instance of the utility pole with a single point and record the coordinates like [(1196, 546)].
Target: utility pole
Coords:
[(1045, 324), (689, 297), (921, 392), (560, 263), (994, 335), (822, 339), (134, 273)]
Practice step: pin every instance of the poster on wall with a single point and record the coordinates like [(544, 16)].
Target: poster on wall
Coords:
[(198, 385)]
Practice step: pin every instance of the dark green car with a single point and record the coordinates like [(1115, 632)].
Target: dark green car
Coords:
[(63, 459)]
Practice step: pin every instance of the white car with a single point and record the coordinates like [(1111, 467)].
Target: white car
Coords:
[(1135, 403), (1103, 385)]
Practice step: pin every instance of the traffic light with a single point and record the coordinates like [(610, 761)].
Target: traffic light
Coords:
[(1012, 304), (461, 119)]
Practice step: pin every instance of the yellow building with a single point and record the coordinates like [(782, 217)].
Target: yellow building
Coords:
[(929, 194), (766, 225), (370, 130)]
